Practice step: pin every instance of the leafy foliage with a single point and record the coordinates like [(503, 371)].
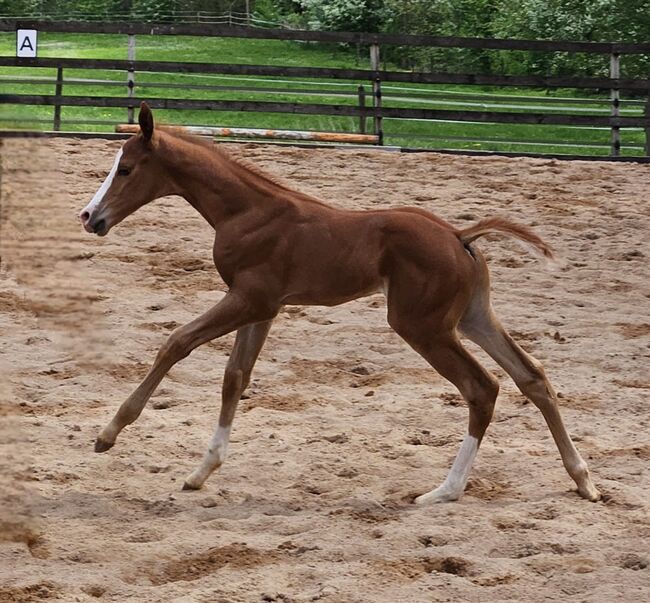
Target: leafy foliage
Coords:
[(344, 15), (583, 20), (150, 9)]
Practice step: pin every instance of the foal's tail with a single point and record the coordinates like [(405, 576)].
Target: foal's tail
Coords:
[(493, 225)]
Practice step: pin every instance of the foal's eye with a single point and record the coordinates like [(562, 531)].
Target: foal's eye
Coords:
[(123, 171)]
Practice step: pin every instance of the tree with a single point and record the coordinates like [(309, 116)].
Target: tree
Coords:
[(344, 15), (467, 18), (579, 20)]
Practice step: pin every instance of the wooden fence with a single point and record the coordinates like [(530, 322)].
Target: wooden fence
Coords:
[(369, 104), (174, 16)]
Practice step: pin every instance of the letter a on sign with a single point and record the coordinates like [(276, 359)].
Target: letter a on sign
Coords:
[(26, 43)]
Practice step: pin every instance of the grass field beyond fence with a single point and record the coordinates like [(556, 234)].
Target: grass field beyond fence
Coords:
[(401, 132)]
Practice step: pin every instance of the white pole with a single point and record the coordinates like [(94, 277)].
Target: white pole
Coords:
[(335, 137)]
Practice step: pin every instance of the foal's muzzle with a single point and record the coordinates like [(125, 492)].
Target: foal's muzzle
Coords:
[(93, 225), (99, 227)]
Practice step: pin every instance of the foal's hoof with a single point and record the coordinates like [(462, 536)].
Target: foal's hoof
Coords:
[(589, 492), (189, 486), (439, 495), (102, 445)]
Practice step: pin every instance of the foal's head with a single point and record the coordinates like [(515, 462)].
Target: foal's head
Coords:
[(136, 178)]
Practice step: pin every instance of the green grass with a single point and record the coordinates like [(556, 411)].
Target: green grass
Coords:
[(428, 134)]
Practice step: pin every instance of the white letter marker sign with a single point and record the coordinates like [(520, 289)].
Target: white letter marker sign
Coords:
[(26, 43)]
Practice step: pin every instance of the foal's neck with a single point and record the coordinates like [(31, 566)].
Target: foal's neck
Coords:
[(216, 185)]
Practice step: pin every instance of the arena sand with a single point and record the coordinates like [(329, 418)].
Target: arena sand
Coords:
[(342, 424)]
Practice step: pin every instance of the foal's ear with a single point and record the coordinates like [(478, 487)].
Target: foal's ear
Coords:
[(145, 120)]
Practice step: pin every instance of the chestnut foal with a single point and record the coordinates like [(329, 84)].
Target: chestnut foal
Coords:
[(276, 246)]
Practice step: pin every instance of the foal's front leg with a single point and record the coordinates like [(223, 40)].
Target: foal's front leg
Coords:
[(248, 345), (231, 313)]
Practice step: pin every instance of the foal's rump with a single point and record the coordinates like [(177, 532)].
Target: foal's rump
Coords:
[(429, 272), (430, 265)]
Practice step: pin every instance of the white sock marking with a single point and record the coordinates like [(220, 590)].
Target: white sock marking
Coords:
[(219, 444), (213, 459), (452, 488), (459, 474)]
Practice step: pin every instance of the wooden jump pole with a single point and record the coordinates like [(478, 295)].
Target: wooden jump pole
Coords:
[(337, 137)]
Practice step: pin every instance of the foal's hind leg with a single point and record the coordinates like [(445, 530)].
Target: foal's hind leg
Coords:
[(481, 326), (445, 353), (248, 345)]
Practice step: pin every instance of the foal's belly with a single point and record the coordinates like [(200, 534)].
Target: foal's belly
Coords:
[(333, 261), (315, 296), (330, 280)]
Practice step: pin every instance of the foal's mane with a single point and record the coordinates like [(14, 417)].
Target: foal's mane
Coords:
[(209, 145)]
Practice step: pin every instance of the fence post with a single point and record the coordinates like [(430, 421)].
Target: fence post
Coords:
[(646, 114), (58, 91), (376, 91), (130, 77), (615, 73), (362, 108)]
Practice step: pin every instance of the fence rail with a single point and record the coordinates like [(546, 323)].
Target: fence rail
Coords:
[(410, 77), (323, 109), (363, 38), (367, 97)]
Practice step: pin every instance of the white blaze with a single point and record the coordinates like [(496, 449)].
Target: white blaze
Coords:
[(99, 195)]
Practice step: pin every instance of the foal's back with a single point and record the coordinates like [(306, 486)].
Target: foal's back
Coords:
[(334, 255)]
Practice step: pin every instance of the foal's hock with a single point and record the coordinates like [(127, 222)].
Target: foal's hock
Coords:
[(276, 246)]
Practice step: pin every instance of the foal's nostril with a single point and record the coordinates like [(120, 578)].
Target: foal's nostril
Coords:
[(84, 216)]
